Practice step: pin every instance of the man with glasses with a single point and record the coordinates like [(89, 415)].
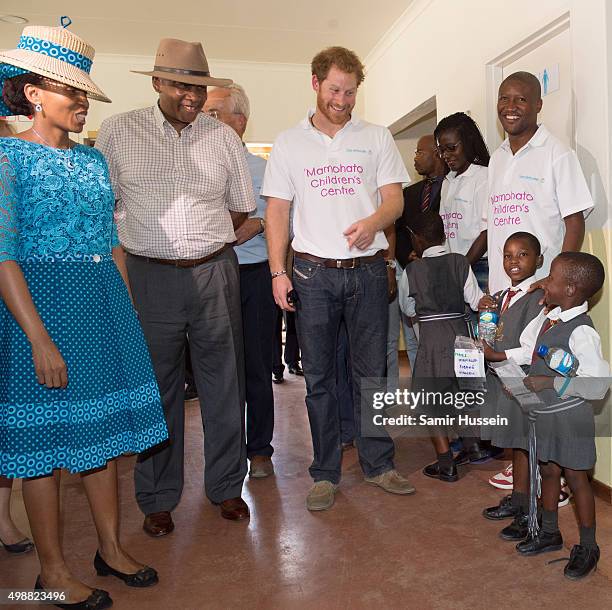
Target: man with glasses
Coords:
[(231, 106), (183, 187)]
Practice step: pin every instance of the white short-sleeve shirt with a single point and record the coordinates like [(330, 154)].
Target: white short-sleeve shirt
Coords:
[(463, 207), (532, 190), (332, 182)]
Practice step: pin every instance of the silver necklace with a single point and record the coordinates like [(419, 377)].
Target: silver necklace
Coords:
[(67, 161)]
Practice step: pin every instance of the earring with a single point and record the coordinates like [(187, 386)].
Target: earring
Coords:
[(37, 107)]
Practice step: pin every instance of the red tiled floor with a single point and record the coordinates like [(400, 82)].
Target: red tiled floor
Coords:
[(430, 550)]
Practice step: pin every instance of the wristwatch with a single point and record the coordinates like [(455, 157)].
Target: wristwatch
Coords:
[(391, 263), (262, 224)]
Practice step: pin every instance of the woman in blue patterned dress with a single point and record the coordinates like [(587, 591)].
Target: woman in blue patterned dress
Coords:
[(77, 388)]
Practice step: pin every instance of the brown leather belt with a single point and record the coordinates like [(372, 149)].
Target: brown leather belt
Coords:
[(340, 263), (184, 263)]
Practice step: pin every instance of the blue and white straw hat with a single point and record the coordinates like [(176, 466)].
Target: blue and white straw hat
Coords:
[(54, 52)]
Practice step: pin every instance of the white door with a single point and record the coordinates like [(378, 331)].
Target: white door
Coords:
[(554, 56)]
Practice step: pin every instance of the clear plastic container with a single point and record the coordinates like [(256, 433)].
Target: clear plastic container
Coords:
[(487, 325), (559, 360)]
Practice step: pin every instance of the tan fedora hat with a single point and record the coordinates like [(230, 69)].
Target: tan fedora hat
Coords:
[(184, 62)]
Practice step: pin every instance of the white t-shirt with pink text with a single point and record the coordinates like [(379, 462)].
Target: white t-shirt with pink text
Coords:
[(533, 191), (463, 204), (332, 182)]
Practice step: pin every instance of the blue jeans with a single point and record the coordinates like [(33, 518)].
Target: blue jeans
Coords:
[(344, 387), (326, 298), (392, 346)]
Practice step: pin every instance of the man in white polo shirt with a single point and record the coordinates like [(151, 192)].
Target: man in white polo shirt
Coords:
[(535, 182), (344, 178)]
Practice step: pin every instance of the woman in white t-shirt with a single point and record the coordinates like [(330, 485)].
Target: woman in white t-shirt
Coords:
[(464, 190)]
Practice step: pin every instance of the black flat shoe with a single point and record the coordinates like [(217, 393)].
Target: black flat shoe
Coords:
[(277, 378), (434, 471), (540, 543), (98, 600), (582, 562), (504, 510), (19, 548), (296, 370), (517, 530), (145, 577)]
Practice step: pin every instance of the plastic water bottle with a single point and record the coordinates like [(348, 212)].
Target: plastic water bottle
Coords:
[(487, 325), (559, 360)]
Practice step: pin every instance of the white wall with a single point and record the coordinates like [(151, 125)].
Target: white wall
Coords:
[(279, 94)]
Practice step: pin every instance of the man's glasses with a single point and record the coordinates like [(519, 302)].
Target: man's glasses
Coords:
[(185, 87), (213, 112)]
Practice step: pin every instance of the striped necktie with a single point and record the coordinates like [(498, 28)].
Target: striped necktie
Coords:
[(509, 296), (426, 196)]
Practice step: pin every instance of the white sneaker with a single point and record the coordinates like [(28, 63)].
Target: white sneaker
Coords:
[(503, 479), (565, 495)]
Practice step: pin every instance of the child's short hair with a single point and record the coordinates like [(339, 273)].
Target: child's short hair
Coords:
[(429, 226), (533, 241), (584, 270)]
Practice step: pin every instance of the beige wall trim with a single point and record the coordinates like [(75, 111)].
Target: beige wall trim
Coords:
[(414, 116), (602, 491)]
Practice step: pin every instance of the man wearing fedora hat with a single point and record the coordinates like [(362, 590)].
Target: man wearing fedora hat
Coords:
[(182, 186)]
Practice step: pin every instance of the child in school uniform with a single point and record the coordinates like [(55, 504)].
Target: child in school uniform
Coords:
[(435, 288), (516, 307), (565, 424)]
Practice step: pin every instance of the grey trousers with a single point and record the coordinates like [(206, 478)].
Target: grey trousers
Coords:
[(204, 303)]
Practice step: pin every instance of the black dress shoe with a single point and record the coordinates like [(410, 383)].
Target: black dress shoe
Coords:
[(517, 530), (145, 577), (158, 524), (19, 548), (444, 474), (277, 378), (582, 562), (542, 542), (474, 453), (98, 600), (504, 510), (296, 369)]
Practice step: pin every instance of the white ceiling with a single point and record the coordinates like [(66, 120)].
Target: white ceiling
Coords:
[(246, 30)]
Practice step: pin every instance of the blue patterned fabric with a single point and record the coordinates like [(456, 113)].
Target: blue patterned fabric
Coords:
[(56, 221), (44, 47)]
